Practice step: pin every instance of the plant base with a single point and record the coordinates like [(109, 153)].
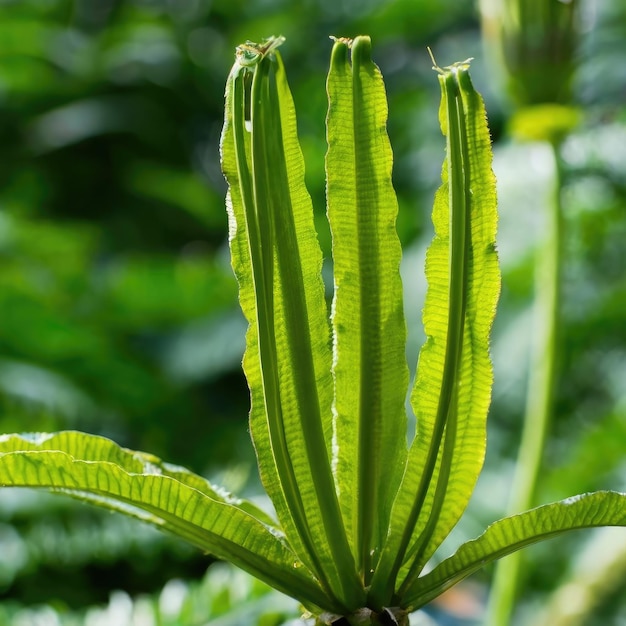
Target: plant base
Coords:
[(393, 616)]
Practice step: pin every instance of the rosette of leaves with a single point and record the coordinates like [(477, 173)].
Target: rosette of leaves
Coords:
[(358, 512)]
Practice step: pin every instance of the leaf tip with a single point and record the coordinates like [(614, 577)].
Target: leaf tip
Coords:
[(432, 58), (248, 54)]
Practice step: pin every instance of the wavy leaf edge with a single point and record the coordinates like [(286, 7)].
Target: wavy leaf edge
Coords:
[(112, 486), (588, 510)]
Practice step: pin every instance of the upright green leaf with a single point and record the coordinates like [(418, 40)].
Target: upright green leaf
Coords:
[(474, 377), (96, 470), (370, 371), (453, 385), (601, 508), (277, 259)]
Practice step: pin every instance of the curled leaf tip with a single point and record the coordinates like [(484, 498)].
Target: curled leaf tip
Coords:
[(250, 53), (460, 65), (344, 40), (455, 67)]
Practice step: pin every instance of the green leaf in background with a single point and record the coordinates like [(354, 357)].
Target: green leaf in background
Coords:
[(225, 596)]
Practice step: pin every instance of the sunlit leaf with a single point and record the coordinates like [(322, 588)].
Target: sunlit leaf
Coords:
[(96, 470), (453, 384), (277, 259), (370, 370), (603, 508)]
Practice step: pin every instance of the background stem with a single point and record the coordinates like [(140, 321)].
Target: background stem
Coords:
[(540, 394)]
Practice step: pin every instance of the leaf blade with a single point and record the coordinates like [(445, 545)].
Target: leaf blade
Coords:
[(278, 261), (369, 337), (453, 384), (601, 508), (97, 448), (134, 484), (467, 424)]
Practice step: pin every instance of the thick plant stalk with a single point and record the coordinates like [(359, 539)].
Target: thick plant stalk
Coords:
[(540, 394)]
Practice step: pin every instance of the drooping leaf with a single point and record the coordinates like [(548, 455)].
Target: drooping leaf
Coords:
[(277, 259), (93, 448), (94, 469), (602, 508), (453, 385), (370, 370)]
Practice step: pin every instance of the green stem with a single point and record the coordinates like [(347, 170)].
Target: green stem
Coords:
[(540, 394)]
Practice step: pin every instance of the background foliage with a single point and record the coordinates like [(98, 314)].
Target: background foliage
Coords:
[(118, 307)]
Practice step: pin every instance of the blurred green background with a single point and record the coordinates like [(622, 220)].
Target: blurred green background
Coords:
[(118, 307)]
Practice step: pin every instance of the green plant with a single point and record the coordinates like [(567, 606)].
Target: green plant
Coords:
[(359, 515)]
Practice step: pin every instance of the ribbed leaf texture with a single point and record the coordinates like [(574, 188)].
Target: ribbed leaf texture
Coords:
[(602, 508), (277, 259), (95, 469), (370, 370), (481, 288), (453, 384)]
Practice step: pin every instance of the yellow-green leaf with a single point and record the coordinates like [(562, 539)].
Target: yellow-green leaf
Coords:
[(453, 385), (278, 261), (370, 370), (602, 508), (94, 469)]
